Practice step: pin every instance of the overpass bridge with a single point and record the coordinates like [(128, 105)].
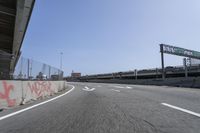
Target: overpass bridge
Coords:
[(14, 19)]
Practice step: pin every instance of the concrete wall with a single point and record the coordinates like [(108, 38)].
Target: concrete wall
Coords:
[(13, 93), (192, 82)]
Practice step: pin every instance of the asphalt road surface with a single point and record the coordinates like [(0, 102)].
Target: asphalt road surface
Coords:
[(109, 108)]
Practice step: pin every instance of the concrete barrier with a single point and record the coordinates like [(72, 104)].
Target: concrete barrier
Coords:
[(13, 93)]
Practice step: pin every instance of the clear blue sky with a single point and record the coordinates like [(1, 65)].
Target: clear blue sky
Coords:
[(100, 36)]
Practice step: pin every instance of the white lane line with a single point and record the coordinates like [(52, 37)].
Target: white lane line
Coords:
[(181, 109), (88, 89), (36, 105), (115, 90)]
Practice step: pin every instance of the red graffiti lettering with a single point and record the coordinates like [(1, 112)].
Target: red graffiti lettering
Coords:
[(40, 88), (6, 95)]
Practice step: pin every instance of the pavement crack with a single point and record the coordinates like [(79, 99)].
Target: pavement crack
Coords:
[(150, 124), (139, 124)]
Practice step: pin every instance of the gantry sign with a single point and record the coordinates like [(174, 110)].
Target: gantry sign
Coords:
[(168, 49), (180, 51)]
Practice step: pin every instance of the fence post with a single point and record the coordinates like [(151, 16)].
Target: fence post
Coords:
[(31, 67), (21, 75), (28, 69)]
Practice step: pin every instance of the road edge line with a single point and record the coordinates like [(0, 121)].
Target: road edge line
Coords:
[(181, 109), (36, 105)]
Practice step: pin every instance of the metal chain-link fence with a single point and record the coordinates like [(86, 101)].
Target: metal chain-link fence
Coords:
[(33, 70)]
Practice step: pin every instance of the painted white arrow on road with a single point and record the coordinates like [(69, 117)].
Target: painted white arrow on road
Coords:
[(88, 89)]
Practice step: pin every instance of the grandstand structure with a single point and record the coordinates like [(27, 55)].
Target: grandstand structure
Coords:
[(155, 73)]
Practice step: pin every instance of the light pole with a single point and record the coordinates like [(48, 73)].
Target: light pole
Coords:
[(61, 73), (61, 54)]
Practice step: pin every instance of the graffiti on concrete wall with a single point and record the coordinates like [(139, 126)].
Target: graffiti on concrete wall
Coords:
[(40, 88), (13, 93), (5, 94)]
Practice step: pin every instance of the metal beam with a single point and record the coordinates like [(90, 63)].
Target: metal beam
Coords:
[(7, 11)]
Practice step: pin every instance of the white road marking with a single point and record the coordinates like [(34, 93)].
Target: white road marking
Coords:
[(115, 90), (88, 89), (36, 105), (128, 87), (119, 87), (181, 109)]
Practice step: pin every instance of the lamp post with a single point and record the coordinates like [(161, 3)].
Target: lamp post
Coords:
[(61, 54)]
